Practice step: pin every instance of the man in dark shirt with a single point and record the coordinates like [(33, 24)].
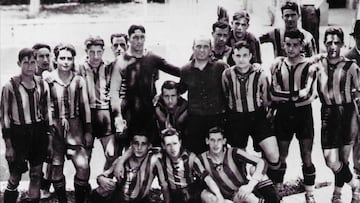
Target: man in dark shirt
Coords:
[(135, 80), (201, 77)]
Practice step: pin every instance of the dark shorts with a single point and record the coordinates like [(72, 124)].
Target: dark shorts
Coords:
[(290, 119), (187, 195), (67, 144), (240, 126), (30, 144), (102, 122), (336, 125)]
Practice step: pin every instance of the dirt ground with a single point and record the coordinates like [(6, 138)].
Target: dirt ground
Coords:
[(170, 30)]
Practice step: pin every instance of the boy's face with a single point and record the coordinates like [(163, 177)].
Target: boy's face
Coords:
[(216, 142), (170, 98), (333, 46), (43, 59), (290, 18), (239, 27), (292, 47), (220, 36), (137, 40), (242, 57), (118, 45), (28, 66), (140, 145), (201, 49), (95, 53), (172, 145), (65, 60)]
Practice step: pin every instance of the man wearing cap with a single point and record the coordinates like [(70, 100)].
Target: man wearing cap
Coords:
[(354, 54), (290, 15), (134, 78), (240, 24), (97, 75)]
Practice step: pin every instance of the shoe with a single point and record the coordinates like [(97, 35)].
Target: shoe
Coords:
[(356, 195), (336, 198), (44, 194), (309, 198)]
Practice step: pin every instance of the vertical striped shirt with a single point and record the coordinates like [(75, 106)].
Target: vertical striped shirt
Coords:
[(184, 171), (231, 173), (293, 80), (21, 106), (69, 100), (98, 84), (245, 92), (336, 81), (276, 37), (137, 181)]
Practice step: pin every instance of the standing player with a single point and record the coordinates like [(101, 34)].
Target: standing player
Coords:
[(247, 93), (171, 108), (97, 75), (25, 126), (240, 24), (141, 167), (71, 117), (292, 91), (227, 166), (290, 15), (201, 77), (354, 54), (338, 77), (134, 78), (220, 34), (119, 43)]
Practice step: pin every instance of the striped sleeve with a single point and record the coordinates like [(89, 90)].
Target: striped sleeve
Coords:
[(159, 171), (276, 89), (6, 109), (264, 89), (309, 88), (85, 100), (247, 158), (48, 115), (198, 168)]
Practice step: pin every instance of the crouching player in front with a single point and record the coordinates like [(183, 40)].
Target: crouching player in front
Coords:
[(338, 77), (141, 165), (71, 116), (227, 166), (25, 126)]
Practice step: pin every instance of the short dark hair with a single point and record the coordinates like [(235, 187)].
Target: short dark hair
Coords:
[(241, 14), (132, 29), (221, 25), (334, 31), (290, 5), (243, 44), (26, 52), (118, 35), (169, 85), (216, 129), (38, 46), (68, 47), (133, 133), (169, 132), (94, 40), (294, 34)]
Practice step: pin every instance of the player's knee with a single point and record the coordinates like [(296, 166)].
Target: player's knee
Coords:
[(309, 173), (333, 165)]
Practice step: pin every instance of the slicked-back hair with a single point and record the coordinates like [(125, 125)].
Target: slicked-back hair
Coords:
[(221, 25), (169, 132), (334, 31), (132, 29), (38, 46), (241, 14), (243, 44), (26, 52), (169, 85), (294, 34), (290, 5), (119, 35), (216, 129), (67, 47)]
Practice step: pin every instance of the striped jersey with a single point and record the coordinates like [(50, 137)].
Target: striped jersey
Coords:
[(98, 84), (231, 173), (137, 181), (69, 100), (245, 92), (276, 37), (182, 173), (21, 106), (336, 81), (293, 80)]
